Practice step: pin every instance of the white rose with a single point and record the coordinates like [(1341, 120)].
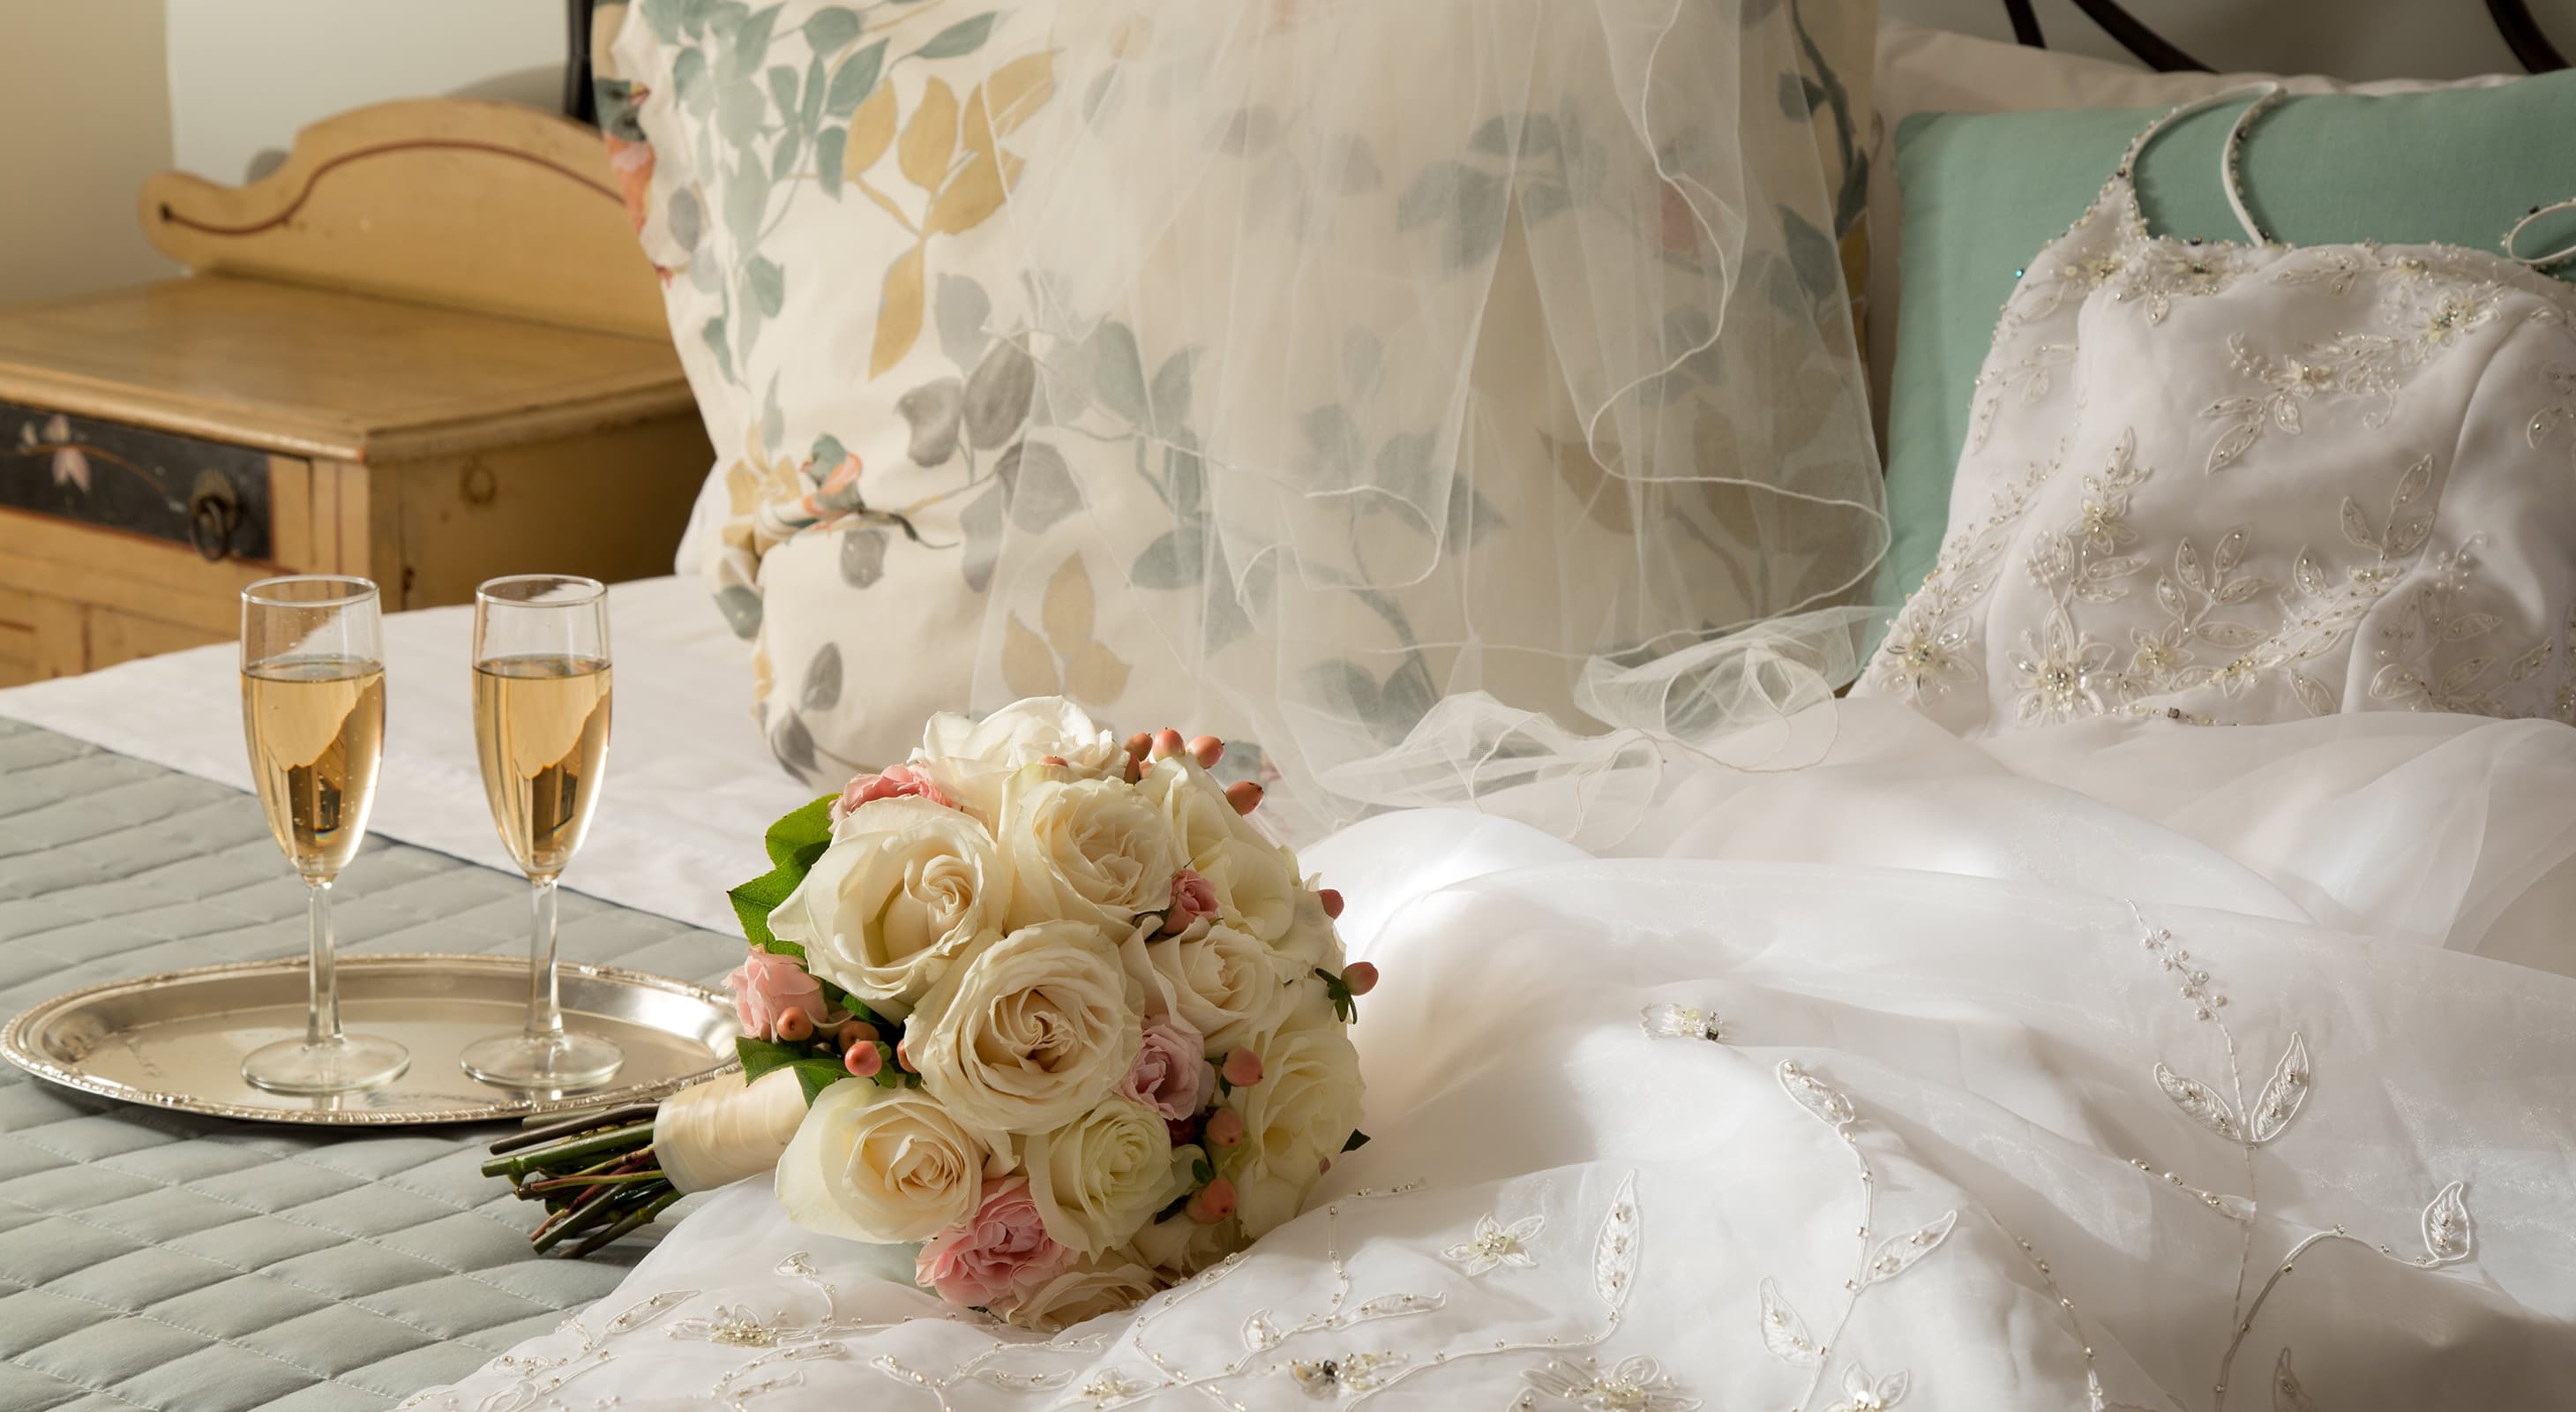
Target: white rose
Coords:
[(1311, 941), (906, 888), (1087, 850), (1195, 806), (1305, 1107), (972, 759), (1224, 983), (1030, 1032), (1100, 1177), (1102, 1284), (884, 1165), (1179, 1247), (1256, 885)]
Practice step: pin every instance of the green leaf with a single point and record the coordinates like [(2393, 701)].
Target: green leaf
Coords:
[(783, 88), (768, 289), (963, 37), (803, 833), (773, 420), (689, 80), (809, 111), (713, 332), (1525, 133), (749, 44), (816, 1075), (1171, 392), (1542, 199), (827, 159), (1177, 558), (827, 29), (1334, 438), (1430, 196), (1477, 227), (1117, 370), (1811, 255), (760, 1056), (1202, 1171), (782, 158), (828, 451), (854, 80), (755, 900), (1355, 1141)]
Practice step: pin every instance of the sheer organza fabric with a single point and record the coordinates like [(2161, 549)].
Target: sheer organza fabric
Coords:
[(1517, 432)]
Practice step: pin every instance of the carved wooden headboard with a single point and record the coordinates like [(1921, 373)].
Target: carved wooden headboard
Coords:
[(457, 202), (2512, 18)]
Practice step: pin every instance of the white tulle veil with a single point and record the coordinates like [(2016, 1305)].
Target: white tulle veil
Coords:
[(1492, 369)]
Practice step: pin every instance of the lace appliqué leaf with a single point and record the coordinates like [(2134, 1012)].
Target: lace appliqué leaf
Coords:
[(1897, 1254), (1862, 1393), (2448, 1233), (1614, 1251), (2283, 1095), (1496, 1244), (1829, 1106), (1783, 1332), (2201, 1102), (1637, 1384)]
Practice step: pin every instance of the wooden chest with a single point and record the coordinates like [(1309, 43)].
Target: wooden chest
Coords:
[(426, 351)]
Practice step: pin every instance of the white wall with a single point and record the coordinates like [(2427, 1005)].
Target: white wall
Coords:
[(2354, 39), (84, 118), (245, 74)]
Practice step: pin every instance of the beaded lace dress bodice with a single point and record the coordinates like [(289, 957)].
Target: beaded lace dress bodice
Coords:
[(2231, 482)]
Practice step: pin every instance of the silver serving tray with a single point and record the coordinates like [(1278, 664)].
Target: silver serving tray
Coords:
[(176, 1039)]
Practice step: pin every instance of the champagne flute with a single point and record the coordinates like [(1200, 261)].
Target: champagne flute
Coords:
[(313, 711), (541, 681)]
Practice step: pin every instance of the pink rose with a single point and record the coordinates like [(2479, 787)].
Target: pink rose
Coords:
[(766, 986), (1171, 1074), (1193, 901), (1001, 1252), (895, 782)]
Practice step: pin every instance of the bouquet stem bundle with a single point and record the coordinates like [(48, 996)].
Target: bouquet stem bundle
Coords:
[(595, 1172)]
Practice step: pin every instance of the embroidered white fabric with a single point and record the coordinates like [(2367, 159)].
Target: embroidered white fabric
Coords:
[(1944, 1074), (2225, 482)]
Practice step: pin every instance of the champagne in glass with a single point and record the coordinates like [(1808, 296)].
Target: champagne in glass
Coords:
[(541, 696), (313, 712)]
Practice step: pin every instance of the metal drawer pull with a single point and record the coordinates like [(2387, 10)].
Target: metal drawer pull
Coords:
[(214, 511)]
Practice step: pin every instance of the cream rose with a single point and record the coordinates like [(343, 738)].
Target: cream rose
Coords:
[(1300, 1113), (1178, 1246), (1194, 804), (1099, 1178), (1311, 941), (972, 760), (884, 1165), (906, 888), (1256, 885), (1031, 1031), (1103, 1284), (1225, 984), (1090, 850)]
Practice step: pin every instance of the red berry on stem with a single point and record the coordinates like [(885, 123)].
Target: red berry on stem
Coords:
[(1244, 795), (1213, 1202), (795, 1026), (864, 1059), (1207, 750), (1167, 741), (1243, 1068), (1224, 1128), (1332, 900), (1140, 743), (1359, 978), (853, 1031)]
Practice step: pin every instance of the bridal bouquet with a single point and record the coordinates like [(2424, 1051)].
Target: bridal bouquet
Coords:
[(1042, 1001)]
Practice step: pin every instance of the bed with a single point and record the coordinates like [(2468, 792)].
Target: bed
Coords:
[(2032, 1070)]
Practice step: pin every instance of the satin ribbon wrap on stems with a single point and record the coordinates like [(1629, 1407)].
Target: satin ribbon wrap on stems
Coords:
[(718, 1132)]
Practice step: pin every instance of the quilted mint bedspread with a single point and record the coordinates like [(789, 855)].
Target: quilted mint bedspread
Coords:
[(157, 1260)]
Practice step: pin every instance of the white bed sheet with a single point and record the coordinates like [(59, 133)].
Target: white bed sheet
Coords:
[(691, 787)]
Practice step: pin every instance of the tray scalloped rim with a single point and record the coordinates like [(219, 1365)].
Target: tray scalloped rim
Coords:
[(16, 1043)]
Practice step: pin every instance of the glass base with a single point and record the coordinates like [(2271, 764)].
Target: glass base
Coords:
[(559, 1063), (352, 1061)]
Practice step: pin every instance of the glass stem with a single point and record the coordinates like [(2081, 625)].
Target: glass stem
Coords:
[(322, 978), (545, 1011)]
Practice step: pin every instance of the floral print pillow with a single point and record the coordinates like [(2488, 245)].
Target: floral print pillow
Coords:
[(899, 522)]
